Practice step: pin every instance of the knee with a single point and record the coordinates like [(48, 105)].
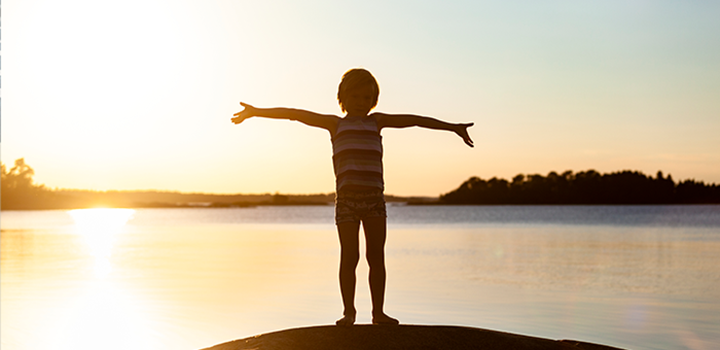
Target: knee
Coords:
[(349, 259), (375, 257)]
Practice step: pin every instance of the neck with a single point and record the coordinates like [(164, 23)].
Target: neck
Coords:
[(350, 114)]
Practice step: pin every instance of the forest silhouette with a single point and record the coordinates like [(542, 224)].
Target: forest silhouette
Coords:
[(19, 192), (586, 187), (17, 189)]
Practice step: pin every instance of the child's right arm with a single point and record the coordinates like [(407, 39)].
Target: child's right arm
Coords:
[(325, 121)]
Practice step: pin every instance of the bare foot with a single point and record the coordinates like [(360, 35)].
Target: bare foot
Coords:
[(346, 321), (384, 320)]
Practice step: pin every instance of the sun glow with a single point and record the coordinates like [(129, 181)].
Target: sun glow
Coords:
[(99, 228), (104, 309)]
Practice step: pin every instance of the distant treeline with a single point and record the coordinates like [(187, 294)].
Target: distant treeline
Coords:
[(586, 187), (19, 192)]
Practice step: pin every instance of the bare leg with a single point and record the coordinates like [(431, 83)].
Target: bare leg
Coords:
[(375, 235), (349, 257)]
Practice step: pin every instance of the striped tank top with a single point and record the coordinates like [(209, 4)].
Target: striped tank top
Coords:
[(357, 153)]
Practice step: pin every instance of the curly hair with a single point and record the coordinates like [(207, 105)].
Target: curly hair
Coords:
[(354, 78)]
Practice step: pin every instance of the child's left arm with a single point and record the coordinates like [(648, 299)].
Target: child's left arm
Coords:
[(407, 120)]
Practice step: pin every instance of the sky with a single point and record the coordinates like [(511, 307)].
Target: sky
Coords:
[(138, 94)]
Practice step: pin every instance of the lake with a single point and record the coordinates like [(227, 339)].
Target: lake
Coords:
[(636, 277)]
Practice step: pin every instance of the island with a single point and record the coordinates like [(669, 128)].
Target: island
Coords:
[(369, 337)]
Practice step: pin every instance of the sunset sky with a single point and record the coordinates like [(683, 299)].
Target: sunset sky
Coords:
[(138, 94)]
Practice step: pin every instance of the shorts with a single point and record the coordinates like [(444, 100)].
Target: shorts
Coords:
[(354, 206)]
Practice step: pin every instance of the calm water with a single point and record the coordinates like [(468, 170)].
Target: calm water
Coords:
[(638, 277)]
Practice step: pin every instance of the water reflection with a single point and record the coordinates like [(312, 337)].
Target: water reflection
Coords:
[(191, 278), (102, 309), (99, 228), (104, 316)]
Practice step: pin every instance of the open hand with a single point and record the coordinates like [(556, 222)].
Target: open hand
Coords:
[(461, 130), (247, 112)]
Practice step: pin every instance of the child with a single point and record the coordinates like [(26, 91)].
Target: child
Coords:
[(357, 160)]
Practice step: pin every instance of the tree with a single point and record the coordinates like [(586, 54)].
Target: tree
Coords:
[(18, 190), (19, 176)]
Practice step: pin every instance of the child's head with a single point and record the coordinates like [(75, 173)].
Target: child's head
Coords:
[(354, 80)]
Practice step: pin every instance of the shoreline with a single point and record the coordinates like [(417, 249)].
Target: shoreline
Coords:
[(362, 337), (323, 204)]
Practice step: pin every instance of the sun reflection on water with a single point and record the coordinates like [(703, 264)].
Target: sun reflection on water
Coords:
[(103, 309), (99, 228)]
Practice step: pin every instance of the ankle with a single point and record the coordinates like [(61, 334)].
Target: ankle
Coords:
[(383, 319)]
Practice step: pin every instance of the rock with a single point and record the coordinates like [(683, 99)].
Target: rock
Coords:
[(368, 337)]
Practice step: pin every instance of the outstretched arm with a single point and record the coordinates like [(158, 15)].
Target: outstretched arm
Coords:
[(325, 121), (407, 120)]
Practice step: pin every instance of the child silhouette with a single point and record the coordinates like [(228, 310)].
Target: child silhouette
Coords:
[(357, 161)]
